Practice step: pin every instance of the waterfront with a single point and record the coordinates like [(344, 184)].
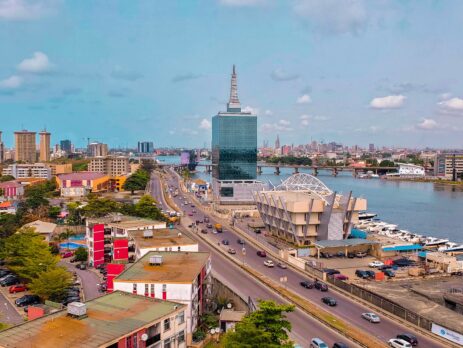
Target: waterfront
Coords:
[(414, 206)]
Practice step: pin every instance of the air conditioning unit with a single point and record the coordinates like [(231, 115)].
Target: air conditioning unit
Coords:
[(156, 260), (148, 234), (77, 309)]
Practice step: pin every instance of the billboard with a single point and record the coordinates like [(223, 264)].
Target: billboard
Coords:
[(447, 334)]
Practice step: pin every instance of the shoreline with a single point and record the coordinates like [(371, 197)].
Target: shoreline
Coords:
[(429, 180)]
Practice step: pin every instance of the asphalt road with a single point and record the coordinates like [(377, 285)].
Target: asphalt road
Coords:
[(89, 280), (8, 314), (347, 309)]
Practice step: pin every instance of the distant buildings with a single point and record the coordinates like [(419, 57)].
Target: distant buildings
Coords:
[(79, 184), (11, 190), (449, 165), (25, 146), (110, 165), (44, 153), (145, 147), (2, 149), (97, 149), (65, 145), (36, 170), (234, 152)]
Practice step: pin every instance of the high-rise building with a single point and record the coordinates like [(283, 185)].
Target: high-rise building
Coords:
[(371, 147), (66, 146), (97, 149), (2, 149), (44, 146), (234, 152), (25, 148), (277, 142), (145, 147)]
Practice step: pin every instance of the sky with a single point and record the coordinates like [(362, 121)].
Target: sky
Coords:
[(387, 72)]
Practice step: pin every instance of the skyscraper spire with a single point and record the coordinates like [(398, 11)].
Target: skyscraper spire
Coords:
[(233, 104)]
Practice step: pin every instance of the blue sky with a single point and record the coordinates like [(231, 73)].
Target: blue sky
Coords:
[(358, 72)]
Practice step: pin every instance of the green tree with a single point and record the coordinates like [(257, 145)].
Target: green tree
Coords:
[(81, 254), (137, 181), (266, 327), (386, 163), (98, 207), (53, 212), (4, 178), (146, 208), (51, 284)]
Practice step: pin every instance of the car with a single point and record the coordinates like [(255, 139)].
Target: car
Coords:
[(6, 276), (389, 273), (384, 267), (225, 242), (350, 255), (360, 254), (306, 284), (330, 271), (209, 225), (375, 264), (257, 231), (73, 259), (371, 274), (398, 343), (73, 294), (203, 231), (269, 263), (10, 281), (81, 266), (341, 277), (409, 338), (320, 286), (371, 317), (27, 300), (206, 219), (330, 301), (190, 214), (360, 273), (340, 345), (326, 255), (241, 241), (282, 265), (4, 272), (67, 254), (317, 343), (261, 253), (194, 211), (231, 251), (17, 288), (403, 262), (192, 205)]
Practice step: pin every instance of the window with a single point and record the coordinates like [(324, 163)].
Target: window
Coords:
[(181, 336), (167, 324), (146, 290), (128, 342), (181, 318), (134, 288), (152, 290), (178, 248), (167, 343), (226, 191)]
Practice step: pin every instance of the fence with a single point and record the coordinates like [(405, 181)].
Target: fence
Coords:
[(383, 303)]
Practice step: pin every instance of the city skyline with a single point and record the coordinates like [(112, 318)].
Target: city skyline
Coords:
[(362, 74)]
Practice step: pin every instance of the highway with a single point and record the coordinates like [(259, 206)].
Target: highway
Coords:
[(347, 309)]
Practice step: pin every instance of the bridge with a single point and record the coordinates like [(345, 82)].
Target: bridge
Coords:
[(335, 170)]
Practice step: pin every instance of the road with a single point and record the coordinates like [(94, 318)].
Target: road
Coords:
[(347, 309), (8, 314), (89, 280)]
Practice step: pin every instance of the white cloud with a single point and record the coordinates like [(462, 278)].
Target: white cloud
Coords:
[(25, 9), (205, 124), (12, 82), (251, 109), (445, 96), (242, 3), (452, 106), (282, 126), (281, 75), (388, 102), (427, 124), (268, 112), (334, 16), (305, 120), (304, 99), (39, 63)]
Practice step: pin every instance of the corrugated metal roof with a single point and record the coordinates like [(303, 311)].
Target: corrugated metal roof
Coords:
[(343, 243), (411, 247)]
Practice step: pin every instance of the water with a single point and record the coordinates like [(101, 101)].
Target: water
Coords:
[(425, 208), (71, 246)]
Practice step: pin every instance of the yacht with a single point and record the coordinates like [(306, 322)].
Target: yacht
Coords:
[(367, 216), (454, 248), (433, 242)]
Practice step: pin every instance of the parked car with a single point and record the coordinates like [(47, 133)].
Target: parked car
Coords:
[(73, 293), (360, 254), (241, 241), (326, 255), (282, 265), (203, 231), (73, 259), (389, 273), (403, 262), (317, 343), (231, 251), (398, 343), (206, 219), (320, 286), (269, 263), (330, 301), (17, 288), (257, 231), (4, 272), (376, 264), (225, 242), (371, 274), (306, 284), (409, 338), (371, 317), (331, 271), (341, 277), (66, 254), (190, 214), (8, 275), (340, 345), (81, 266), (209, 225), (11, 280), (27, 300), (351, 255), (261, 253), (384, 267)]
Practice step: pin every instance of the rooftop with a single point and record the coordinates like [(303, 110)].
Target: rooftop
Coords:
[(82, 176), (177, 267), (343, 243), (11, 183), (161, 238), (231, 315), (124, 221), (109, 317), (42, 226)]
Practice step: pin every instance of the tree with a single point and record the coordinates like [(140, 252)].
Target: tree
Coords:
[(53, 212), (98, 207), (146, 208), (386, 163), (4, 178), (81, 254), (137, 181), (51, 284), (266, 327)]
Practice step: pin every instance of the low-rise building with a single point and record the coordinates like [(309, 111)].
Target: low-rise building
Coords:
[(115, 320), (57, 169), (110, 165), (447, 163), (174, 276), (79, 184), (11, 190), (8, 207), (36, 170), (44, 228), (303, 210)]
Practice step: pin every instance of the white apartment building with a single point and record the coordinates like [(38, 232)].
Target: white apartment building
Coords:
[(182, 277), (36, 170)]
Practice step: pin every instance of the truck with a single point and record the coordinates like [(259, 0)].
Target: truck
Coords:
[(218, 228)]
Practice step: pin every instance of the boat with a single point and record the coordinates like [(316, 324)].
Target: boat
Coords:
[(433, 242), (451, 247), (367, 216)]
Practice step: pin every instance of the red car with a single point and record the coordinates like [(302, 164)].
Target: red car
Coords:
[(341, 277), (261, 253), (17, 288), (67, 254)]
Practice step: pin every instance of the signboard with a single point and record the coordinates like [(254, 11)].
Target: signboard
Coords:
[(447, 334)]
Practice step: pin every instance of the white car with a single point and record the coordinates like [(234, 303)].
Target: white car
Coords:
[(371, 317), (398, 343), (376, 264), (269, 263)]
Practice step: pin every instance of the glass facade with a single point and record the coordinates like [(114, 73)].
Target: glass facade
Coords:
[(234, 146)]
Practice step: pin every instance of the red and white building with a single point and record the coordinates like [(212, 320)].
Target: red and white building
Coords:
[(11, 190), (178, 276)]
